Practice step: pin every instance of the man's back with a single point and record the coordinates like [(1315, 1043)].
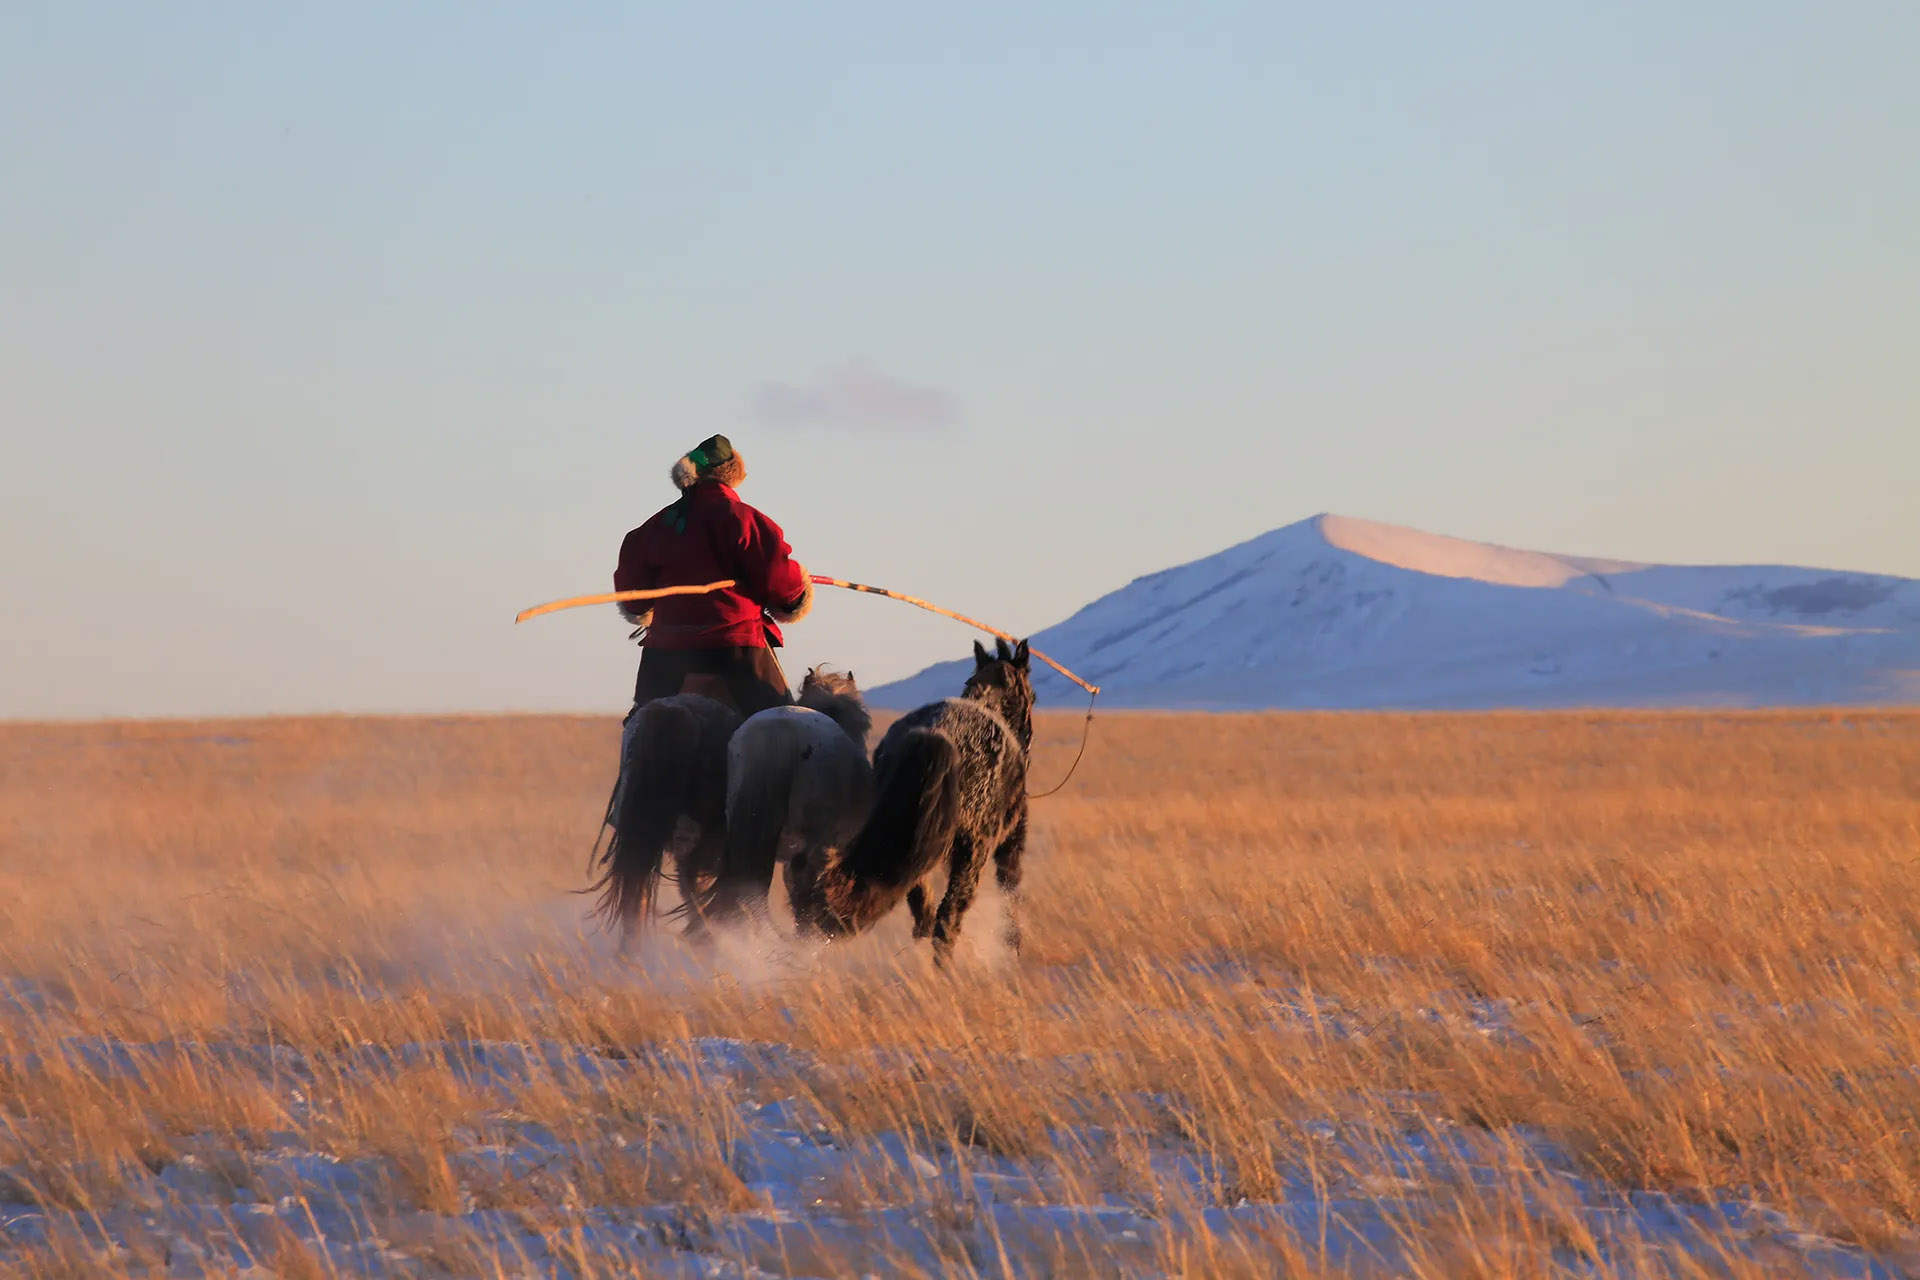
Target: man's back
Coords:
[(710, 535)]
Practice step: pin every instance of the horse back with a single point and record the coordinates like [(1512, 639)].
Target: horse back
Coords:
[(991, 760)]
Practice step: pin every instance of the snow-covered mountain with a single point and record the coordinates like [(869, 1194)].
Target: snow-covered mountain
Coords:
[(1339, 612)]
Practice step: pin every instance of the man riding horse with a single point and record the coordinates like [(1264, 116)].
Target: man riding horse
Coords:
[(720, 644)]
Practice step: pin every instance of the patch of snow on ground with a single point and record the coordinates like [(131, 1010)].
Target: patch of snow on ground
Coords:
[(211, 1209)]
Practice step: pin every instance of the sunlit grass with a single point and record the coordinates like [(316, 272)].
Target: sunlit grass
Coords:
[(1671, 952)]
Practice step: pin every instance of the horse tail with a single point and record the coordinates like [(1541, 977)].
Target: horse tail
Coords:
[(658, 774), (914, 818), (759, 792)]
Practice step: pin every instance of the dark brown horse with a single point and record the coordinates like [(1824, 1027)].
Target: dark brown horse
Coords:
[(672, 799), (951, 794)]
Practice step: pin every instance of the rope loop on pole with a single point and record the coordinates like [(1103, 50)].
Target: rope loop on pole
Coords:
[(1086, 732)]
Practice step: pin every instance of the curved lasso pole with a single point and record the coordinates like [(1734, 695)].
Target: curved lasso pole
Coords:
[(618, 597), (842, 583), (1093, 690)]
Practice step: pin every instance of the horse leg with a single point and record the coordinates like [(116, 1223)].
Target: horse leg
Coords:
[(963, 881), (743, 870), (1006, 873), (694, 871), (922, 913)]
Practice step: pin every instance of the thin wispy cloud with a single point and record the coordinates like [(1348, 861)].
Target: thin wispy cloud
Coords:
[(855, 396)]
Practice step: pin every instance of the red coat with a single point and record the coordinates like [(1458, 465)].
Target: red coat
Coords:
[(706, 536)]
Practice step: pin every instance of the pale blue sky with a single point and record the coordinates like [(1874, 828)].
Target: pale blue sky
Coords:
[(332, 335)]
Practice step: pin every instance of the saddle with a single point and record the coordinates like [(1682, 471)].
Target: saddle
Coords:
[(709, 685)]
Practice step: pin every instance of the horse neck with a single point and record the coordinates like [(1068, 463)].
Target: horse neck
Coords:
[(990, 700)]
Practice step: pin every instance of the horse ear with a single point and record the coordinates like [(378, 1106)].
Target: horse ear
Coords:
[(1001, 651), (980, 655), (1022, 656)]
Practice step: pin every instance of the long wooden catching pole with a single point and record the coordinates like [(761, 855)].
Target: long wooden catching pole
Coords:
[(618, 597), (842, 583)]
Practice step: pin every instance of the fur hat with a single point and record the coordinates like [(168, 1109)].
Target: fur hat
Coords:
[(712, 459)]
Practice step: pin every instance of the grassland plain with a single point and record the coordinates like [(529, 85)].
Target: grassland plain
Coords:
[(1471, 995)]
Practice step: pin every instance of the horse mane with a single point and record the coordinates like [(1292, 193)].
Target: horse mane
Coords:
[(836, 697)]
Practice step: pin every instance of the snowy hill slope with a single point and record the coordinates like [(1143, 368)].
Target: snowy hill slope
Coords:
[(1339, 612)]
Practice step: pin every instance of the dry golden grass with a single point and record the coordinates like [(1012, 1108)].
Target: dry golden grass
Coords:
[(1439, 981)]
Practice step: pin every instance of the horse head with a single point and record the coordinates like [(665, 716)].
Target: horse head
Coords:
[(838, 698), (1002, 680)]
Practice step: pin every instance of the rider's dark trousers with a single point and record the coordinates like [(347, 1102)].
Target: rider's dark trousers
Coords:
[(749, 677)]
